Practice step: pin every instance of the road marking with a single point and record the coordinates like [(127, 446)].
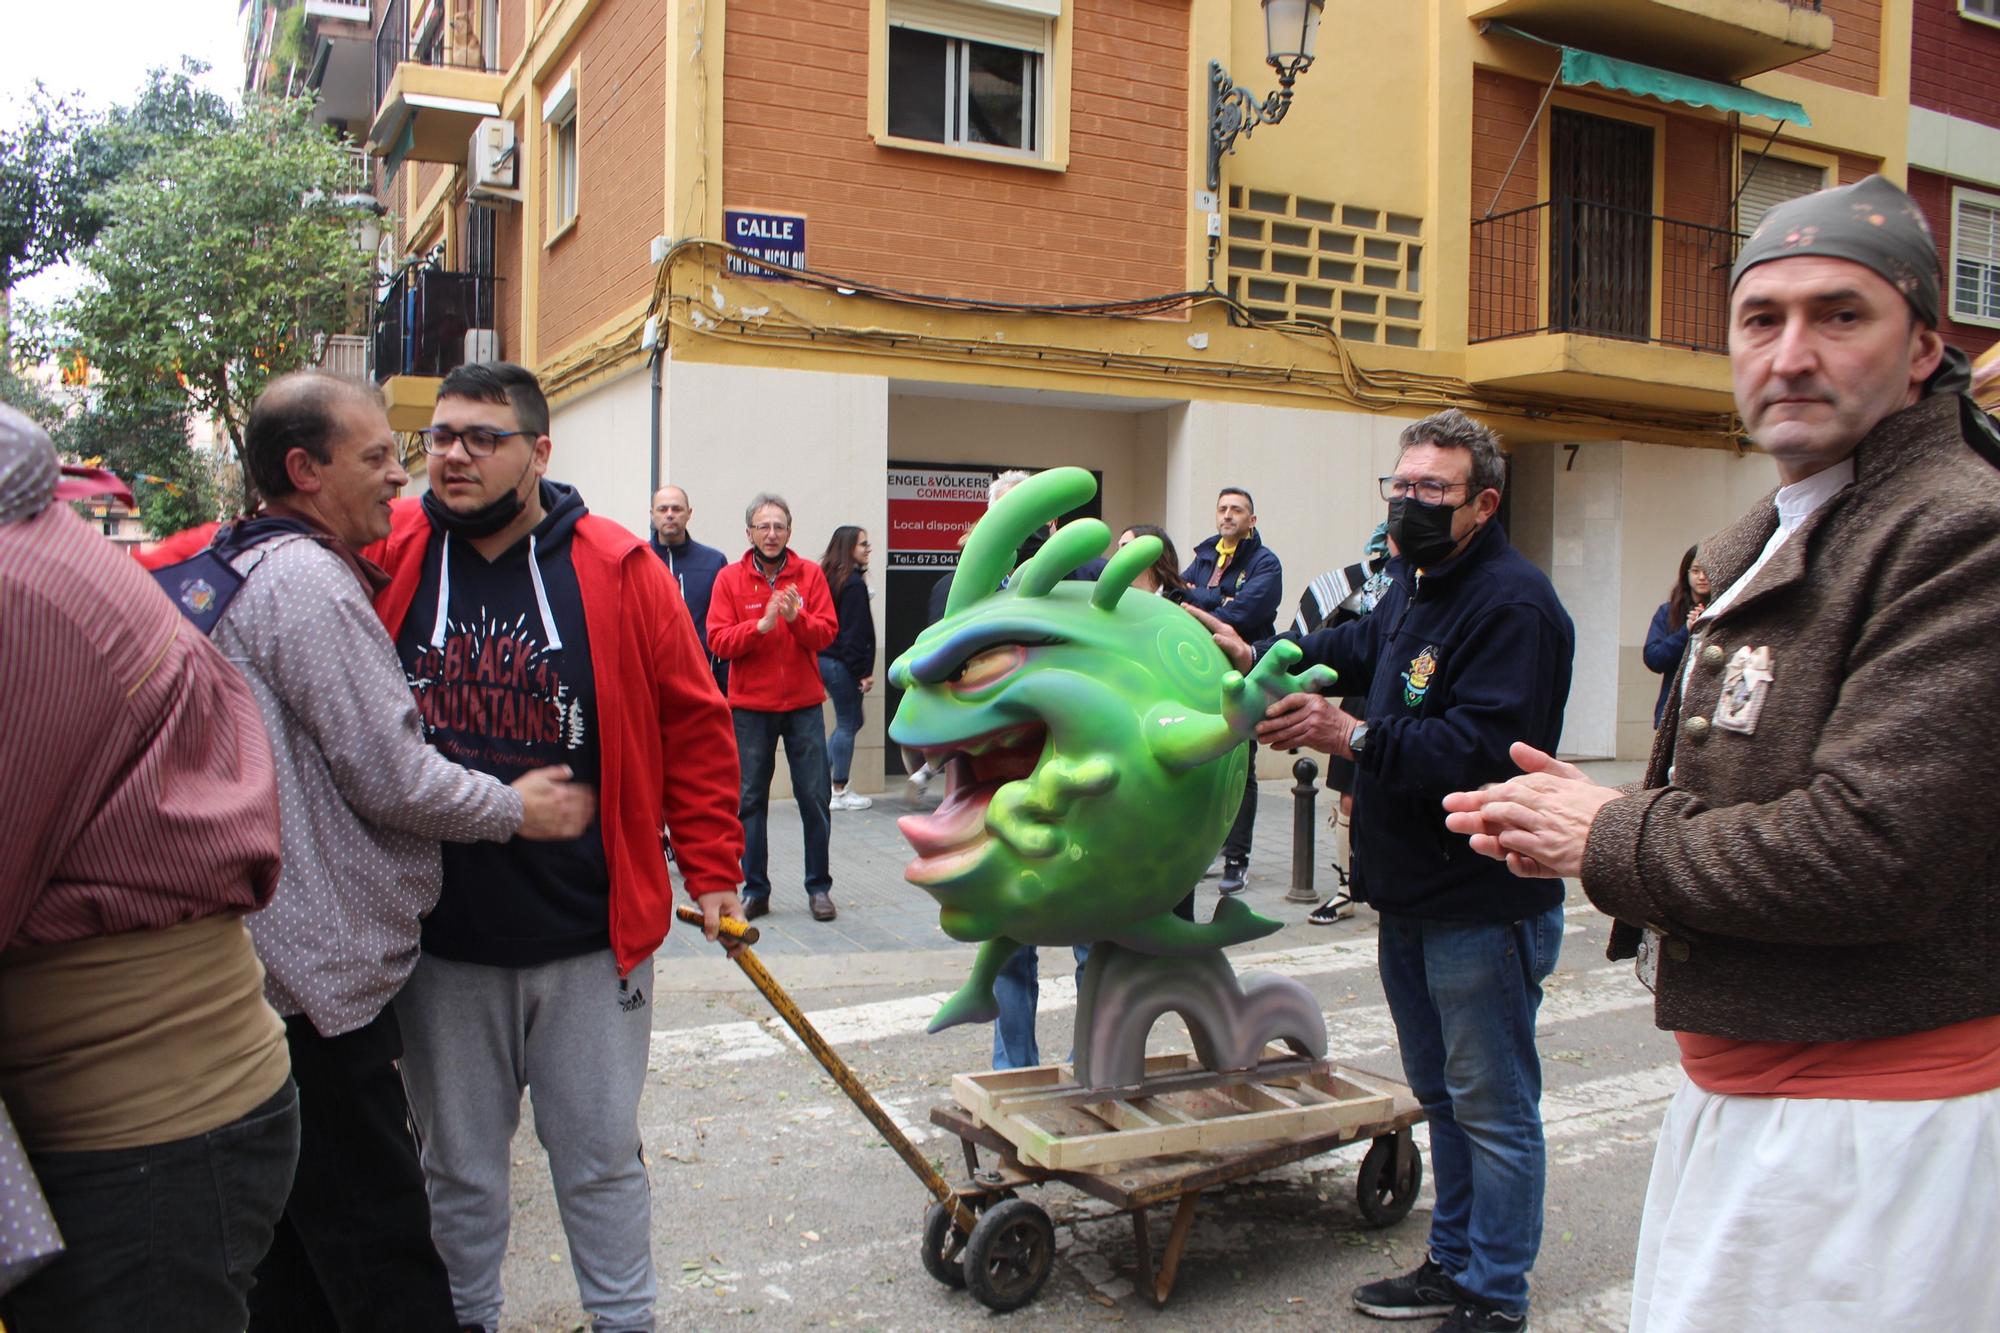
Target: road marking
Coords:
[(861, 1023)]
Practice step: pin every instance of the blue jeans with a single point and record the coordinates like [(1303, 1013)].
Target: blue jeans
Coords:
[(1018, 990), (757, 737), (845, 691), (163, 1237), (1464, 996)]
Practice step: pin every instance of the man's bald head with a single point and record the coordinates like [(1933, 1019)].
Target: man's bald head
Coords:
[(301, 410), (671, 512)]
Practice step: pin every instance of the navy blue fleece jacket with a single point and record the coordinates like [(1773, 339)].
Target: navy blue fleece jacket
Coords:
[(1456, 663)]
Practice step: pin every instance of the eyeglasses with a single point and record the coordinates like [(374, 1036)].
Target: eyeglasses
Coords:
[(1426, 491), (770, 527), (479, 442)]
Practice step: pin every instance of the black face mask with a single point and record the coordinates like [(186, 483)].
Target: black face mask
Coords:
[(1422, 532), (484, 521)]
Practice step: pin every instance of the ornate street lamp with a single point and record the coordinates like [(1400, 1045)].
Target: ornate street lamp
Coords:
[(1291, 27)]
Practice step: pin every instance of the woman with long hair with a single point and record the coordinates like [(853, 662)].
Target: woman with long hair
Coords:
[(1668, 637), (847, 665), (1163, 576)]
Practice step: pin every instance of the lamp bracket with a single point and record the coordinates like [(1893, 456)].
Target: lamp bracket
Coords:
[(1234, 110)]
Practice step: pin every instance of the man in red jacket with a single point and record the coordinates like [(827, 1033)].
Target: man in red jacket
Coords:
[(533, 633), (768, 618)]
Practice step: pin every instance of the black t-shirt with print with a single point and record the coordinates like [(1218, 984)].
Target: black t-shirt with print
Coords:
[(504, 686)]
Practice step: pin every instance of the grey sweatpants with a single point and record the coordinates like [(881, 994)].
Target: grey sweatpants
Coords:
[(578, 1037)]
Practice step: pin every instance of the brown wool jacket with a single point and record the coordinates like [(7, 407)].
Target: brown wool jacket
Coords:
[(1836, 874)]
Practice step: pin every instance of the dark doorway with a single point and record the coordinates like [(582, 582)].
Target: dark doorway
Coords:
[(1601, 196)]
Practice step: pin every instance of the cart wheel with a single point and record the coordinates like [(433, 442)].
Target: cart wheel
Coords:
[(1384, 1199), (944, 1248), (1010, 1255)]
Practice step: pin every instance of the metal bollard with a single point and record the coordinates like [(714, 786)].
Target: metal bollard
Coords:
[(1303, 795)]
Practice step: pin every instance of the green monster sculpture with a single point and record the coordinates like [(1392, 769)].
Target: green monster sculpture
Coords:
[(1092, 743)]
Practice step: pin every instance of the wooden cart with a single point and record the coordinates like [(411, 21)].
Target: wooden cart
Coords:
[(1186, 1131)]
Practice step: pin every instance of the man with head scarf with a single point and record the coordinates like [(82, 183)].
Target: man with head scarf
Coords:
[(145, 1072), (1797, 875)]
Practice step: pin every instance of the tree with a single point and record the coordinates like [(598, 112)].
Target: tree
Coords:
[(145, 441), (45, 187), (227, 258)]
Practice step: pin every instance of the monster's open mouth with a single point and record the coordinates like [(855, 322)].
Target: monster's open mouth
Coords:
[(952, 837)]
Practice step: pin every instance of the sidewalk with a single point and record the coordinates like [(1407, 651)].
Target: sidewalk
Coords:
[(880, 912)]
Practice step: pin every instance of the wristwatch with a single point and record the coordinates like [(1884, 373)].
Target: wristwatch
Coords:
[(1357, 739)]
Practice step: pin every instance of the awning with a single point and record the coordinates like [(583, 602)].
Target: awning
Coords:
[(1625, 76)]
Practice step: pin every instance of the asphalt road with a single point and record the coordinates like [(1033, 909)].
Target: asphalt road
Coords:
[(776, 1205)]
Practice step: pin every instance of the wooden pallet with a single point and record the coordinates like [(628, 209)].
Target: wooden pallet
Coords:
[(1181, 1108)]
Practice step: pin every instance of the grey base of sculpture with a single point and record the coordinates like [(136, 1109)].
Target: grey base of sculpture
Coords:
[(1231, 1020)]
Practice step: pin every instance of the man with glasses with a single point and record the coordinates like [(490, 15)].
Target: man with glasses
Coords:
[(1806, 874), (770, 616), (1468, 650), (532, 632), (1238, 580)]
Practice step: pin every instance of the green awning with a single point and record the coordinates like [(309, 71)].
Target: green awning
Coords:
[(1625, 76)]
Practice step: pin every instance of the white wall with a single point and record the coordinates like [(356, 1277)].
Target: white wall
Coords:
[(599, 446), (729, 432)]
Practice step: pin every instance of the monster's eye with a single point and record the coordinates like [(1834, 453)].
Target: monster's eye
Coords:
[(985, 667)]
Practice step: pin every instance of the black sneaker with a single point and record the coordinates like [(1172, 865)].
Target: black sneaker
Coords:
[(1423, 1291), (1332, 910), (1233, 874), (1474, 1316)]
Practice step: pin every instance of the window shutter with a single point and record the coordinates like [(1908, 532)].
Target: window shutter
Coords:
[(1975, 249), (1776, 180), (1011, 24)]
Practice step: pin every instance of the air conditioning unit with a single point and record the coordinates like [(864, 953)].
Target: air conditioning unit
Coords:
[(491, 161), (481, 345)]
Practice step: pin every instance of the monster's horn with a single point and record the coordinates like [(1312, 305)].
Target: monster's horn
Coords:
[(1061, 556), (1119, 571), (1017, 515)]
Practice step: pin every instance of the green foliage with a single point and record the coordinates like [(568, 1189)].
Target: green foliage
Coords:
[(27, 398), (224, 259), (45, 186)]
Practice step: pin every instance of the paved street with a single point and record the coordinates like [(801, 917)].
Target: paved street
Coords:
[(777, 1206)]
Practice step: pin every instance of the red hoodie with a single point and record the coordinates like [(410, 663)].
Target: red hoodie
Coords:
[(779, 671), (657, 709)]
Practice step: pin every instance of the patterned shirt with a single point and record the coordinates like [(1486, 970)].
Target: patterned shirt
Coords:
[(364, 799)]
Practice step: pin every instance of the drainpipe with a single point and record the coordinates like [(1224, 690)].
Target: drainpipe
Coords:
[(654, 489)]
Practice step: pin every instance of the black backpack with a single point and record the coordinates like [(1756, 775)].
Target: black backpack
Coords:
[(202, 585)]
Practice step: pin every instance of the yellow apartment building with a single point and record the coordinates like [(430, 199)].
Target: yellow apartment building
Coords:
[(863, 252)]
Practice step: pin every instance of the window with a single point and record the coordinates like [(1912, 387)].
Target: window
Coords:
[(970, 75), (1980, 9), (1769, 182), (1975, 257), (559, 114)]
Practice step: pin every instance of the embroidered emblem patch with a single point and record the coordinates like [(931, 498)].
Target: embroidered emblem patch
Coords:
[(1417, 680), (1746, 682), (198, 595)]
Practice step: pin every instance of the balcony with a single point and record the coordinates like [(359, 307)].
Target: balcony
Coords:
[(1578, 299), (431, 86), (346, 355), (1726, 40), (341, 68), (420, 329)]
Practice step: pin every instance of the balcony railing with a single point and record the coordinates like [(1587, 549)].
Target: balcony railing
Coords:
[(345, 355), (437, 45), (1571, 266), (420, 325)]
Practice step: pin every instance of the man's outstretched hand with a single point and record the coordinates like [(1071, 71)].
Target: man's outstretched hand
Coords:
[(1240, 654), (1537, 823)]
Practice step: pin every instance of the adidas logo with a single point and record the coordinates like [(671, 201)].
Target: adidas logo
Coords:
[(631, 1000)]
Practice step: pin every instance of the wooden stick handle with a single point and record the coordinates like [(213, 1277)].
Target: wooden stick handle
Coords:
[(729, 925)]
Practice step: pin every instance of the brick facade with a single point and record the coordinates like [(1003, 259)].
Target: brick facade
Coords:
[(1855, 62), (1933, 195), (1953, 63), (1112, 226), (601, 265)]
